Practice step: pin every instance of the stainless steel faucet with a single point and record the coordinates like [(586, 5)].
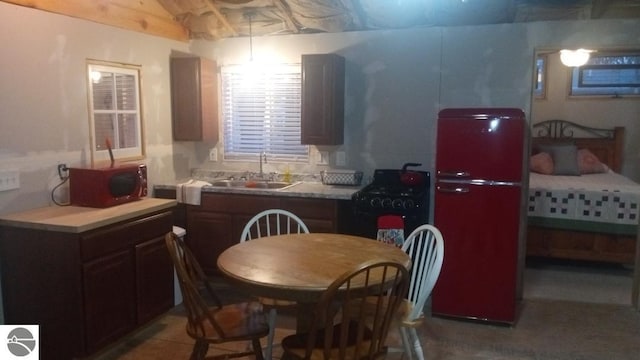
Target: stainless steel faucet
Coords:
[(263, 159)]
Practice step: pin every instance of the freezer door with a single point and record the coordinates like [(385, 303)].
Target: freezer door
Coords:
[(477, 147), (480, 226)]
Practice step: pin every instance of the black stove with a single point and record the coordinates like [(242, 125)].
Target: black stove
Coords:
[(387, 194)]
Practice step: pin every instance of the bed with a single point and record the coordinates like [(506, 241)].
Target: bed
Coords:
[(589, 215)]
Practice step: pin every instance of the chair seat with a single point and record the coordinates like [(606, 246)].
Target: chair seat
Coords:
[(296, 344), (236, 321), (369, 305)]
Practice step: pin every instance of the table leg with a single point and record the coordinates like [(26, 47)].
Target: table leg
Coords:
[(304, 316)]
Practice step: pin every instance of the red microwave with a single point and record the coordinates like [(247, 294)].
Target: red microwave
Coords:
[(109, 186)]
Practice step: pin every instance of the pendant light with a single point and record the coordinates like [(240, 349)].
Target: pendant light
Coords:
[(249, 15), (574, 58)]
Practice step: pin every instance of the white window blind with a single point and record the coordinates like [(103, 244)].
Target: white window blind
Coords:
[(261, 111)]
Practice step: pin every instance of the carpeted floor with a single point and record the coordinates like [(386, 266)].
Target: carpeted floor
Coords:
[(578, 281), (546, 329), (570, 327)]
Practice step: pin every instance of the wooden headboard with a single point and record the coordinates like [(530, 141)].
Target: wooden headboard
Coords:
[(606, 144)]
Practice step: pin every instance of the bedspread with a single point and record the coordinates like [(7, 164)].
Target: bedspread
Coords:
[(596, 202)]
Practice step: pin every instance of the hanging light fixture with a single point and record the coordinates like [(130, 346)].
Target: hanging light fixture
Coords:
[(575, 58), (249, 15)]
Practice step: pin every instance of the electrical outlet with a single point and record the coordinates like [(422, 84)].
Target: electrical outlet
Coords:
[(63, 171), (341, 158), (213, 154), (9, 180)]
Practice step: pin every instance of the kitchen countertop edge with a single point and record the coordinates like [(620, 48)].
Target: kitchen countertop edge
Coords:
[(303, 189), (77, 219)]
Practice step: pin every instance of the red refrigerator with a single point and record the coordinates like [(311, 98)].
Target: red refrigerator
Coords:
[(481, 159)]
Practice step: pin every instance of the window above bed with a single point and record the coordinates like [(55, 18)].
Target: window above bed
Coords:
[(614, 74)]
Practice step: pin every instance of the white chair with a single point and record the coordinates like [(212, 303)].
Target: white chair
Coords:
[(273, 222), (425, 246), (268, 223)]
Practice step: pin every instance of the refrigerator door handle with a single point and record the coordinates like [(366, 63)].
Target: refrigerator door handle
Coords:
[(454, 174), (457, 190)]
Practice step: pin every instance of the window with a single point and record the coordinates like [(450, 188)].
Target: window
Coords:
[(541, 78), (115, 116), (614, 74), (261, 112)]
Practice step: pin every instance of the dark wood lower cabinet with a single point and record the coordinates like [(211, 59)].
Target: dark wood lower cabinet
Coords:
[(217, 223), (154, 294), (108, 289), (87, 289)]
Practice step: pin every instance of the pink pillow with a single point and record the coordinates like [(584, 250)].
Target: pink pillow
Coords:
[(589, 163), (541, 163)]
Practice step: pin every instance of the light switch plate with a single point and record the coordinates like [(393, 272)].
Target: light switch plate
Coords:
[(9, 180)]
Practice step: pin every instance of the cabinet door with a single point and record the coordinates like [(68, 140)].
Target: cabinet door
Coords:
[(208, 235), (320, 215), (154, 279), (322, 121), (194, 99), (109, 298)]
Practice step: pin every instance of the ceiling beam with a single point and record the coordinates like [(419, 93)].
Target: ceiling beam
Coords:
[(220, 16), (141, 16)]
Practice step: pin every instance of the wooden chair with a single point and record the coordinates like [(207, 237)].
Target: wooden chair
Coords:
[(425, 246), (267, 223), (215, 324), (342, 327)]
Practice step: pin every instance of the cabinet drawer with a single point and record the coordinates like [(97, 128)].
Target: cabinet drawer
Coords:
[(311, 208), (121, 236), (238, 204)]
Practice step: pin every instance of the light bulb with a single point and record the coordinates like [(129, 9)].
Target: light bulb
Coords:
[(574, 58)]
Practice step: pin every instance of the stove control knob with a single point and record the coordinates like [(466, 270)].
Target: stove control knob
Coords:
[(397, 204), (386, 203), (376, 202), (409, 204)]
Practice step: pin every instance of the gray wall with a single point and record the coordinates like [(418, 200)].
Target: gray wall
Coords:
[(397, 81)]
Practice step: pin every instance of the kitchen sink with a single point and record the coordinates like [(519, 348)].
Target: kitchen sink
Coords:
[(253, 184)]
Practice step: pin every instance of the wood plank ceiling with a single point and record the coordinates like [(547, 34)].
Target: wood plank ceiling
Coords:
[(217, 19)]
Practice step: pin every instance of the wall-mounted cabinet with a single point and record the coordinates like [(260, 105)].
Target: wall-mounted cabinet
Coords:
[(194, 100), (322, 99)]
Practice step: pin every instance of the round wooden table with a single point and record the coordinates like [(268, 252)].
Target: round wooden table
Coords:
[(299, 267)]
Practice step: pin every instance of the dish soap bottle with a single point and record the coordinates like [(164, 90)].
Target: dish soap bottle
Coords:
[(286, 177)]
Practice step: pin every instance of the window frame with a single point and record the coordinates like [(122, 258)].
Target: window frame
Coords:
[(99, 151), (540, 76), (236, 149), (578, 88)]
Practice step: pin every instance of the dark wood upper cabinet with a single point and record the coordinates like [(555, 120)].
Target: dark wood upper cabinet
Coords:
[(194, 100), (322, 99)]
